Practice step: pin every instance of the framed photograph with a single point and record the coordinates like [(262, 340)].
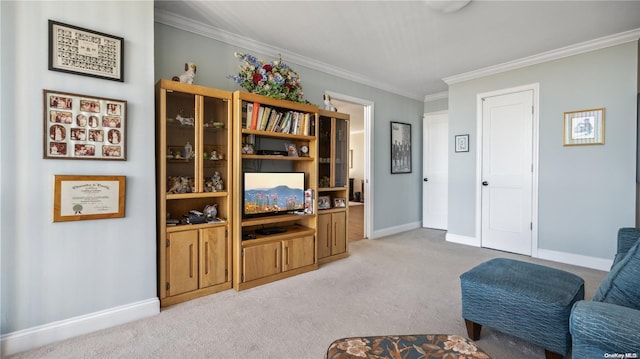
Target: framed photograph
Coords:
[(77, 198), (584, 127), (79, 127), (339, 202), (324, 202), (400, 147), (462, 143), (85, 52)]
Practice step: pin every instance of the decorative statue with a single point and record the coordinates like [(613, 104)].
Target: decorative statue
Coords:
[(189, 74), (327, 103)]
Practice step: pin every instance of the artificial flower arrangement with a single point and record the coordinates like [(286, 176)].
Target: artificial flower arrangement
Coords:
[(273, 79)]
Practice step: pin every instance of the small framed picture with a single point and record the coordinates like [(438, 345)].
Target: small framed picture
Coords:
[(339, 202), (292, 150), (462, 143), (584, 127), (400, 147), (75, 50), (324, 202)]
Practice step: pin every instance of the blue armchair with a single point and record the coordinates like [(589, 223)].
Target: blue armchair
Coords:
[(610, 323)]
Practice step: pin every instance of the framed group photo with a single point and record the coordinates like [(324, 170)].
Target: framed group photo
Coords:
[(585, 127), (83, 127), (400, 147), (85, 52)]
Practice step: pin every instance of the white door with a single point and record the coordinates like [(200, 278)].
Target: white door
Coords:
[(507, 172), (435, 171)]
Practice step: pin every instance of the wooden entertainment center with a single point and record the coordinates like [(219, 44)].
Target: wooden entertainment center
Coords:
[(206, 136)]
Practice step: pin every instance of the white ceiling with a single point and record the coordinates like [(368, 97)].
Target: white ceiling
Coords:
[(403, 47)]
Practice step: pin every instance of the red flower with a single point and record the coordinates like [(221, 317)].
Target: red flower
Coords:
[(288, 86), (267, 67), (257, 78)]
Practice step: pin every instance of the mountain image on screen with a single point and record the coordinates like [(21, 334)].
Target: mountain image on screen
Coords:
[(273, 200)]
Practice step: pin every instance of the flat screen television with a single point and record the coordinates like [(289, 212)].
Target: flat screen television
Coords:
[(271, 193)]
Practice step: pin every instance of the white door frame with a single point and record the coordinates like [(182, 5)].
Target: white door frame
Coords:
[(368, 163), (536, 120)]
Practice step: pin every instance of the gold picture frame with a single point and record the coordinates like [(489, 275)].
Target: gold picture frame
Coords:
[(77, 198), (584, 127)]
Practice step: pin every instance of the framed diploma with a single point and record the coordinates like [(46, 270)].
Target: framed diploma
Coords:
[(76, 198)]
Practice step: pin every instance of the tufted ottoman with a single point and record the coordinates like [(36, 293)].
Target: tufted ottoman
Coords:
[(529, 301)]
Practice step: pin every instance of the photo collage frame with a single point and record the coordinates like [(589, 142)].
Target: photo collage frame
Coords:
[(84, 127)]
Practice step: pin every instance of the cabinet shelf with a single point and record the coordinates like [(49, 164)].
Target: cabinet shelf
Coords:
[(248, 222), (275, 157), (331, 189), (188, 227), (291, 232), (272, 134), (196, 195)]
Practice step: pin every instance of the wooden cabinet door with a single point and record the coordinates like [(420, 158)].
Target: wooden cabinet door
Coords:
[(182, 262), (261, 261), (324, 235), (213, 256), (339, 240), (298, 252)]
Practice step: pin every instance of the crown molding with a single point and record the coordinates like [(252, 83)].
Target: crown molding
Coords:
[(183, 23), (580, 48), (436, 96)]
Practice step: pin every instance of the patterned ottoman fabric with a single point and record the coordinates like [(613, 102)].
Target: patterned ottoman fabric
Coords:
[(427, 346)]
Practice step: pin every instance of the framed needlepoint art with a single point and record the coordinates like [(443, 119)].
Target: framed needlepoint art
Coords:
[(585, 127), (80, 127)]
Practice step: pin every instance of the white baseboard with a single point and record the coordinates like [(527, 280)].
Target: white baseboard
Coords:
[(389, 231), (31, 338), (576, 259), (456, 238)]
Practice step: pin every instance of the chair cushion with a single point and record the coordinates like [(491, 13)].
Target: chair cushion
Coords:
[(622, 284)]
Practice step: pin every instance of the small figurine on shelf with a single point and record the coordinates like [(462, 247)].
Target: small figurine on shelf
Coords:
[(188, 150), (324, 182), (188, 75), (178, 184), (214, 155), (327, 103), (218, 183), (186, 121), (211, 211)]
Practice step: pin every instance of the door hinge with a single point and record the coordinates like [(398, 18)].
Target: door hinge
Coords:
[(168, 286), (226, 233), (226, 272), (168, 243), (531, 225), (532, 110), (242, 277)]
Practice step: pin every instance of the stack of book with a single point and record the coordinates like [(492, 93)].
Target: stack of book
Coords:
[(271, 119)]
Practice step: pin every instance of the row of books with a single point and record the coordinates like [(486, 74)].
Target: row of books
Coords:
[(271, 119)]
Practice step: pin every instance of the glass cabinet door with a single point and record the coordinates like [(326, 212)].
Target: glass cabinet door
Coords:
[(341, 152), (215, 146), (324, 153), (180, 142)]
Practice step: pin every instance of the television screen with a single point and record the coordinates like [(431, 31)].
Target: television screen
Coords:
[(267, 193)]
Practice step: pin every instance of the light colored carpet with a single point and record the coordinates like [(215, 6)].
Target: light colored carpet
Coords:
[(403, 284)]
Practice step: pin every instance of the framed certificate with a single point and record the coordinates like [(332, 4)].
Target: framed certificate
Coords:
[(77, 198)]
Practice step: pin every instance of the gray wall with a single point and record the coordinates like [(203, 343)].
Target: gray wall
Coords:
[(585, 192), (55, 271), (397, 202)]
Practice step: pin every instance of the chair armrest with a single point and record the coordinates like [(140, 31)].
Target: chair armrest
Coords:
[(627, 237), (599, 328)]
